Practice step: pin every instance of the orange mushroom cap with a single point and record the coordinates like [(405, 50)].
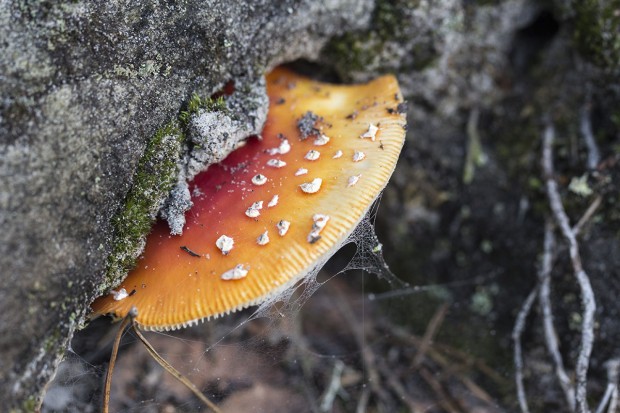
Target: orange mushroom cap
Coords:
[(273, 209)]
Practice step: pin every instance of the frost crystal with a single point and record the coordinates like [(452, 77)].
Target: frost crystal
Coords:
[(263, 238), (225, 244), (312, 187), (371, 133), (283, 227), (259, 179), (236, 273), (312, 155)]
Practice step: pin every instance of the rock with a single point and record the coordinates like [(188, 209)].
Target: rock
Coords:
[(85, 85)]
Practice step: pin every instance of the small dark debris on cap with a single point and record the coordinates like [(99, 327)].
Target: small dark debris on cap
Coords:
[(190, 252), (306, 125), (352, 115)]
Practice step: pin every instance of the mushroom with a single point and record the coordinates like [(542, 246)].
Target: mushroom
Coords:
[(313, 204)]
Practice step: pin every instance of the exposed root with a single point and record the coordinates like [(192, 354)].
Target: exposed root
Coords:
[(588, 301)]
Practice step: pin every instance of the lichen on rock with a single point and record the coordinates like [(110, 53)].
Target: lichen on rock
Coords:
[(214, 132)]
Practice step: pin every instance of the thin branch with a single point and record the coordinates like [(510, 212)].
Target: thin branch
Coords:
[(585, 126), (368, 357), (587, 215), (429, 334), (174, 372), (551, 337), (587, 294), (327, 401), (517, 331), (611, 393), (108, 377), (397, 387), (443, 399), (362, 403)]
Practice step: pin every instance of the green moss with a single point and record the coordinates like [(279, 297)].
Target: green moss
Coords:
[(356, 51), (31, 404), (197, 103), (52, 340), (596, 32), (155, 177)]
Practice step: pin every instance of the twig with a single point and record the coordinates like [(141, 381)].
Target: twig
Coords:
[(108, 377), (429, 334), (551, 337), (174, 372), (475, 156), (613, 403), (452, 365), (368, 357), (587, 295), (611, 393), (335, 385), (362, 403), (443, 398), (585, 126), (517, 331), (399, 389), (587, 215)]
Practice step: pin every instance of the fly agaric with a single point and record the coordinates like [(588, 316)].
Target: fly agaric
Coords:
[(273, 209)]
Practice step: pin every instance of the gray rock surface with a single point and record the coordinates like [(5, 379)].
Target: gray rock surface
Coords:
[(84, 86)]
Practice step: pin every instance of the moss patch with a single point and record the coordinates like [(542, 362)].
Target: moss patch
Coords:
[(155, 177), (196, 103), (596, 31), (390, 24)]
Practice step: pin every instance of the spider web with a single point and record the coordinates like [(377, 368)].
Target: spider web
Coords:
[(267, 337)]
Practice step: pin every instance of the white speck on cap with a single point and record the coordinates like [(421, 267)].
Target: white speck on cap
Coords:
[(353, 179), (263, 239), (240, 271), (312, 155), (253, 211), (312, 187), (276, 163), (225, 244), (119, 295), (320, 220), (321, 140), (259, 179), (338, 154), (301, 171), (283, 227), (273, 202), (358, 156), (284, 148), (371, 133)]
